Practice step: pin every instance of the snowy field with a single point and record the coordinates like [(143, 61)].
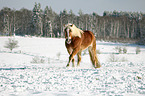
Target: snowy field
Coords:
[(37, 68)]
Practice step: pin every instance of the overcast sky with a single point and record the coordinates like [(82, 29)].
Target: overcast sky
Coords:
[(87, 6)]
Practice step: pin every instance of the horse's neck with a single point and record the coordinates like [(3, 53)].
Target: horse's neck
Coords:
[(78, 38)]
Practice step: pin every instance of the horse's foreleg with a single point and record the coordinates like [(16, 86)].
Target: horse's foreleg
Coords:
[(73, 62), (69, 61), (71, 57), (70, 50)]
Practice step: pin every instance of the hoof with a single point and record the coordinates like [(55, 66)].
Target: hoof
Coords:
[(97, 66), (67, 65)]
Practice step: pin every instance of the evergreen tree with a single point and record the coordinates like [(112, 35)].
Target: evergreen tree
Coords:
[(34, 19), (63, 20), (40, 22), (37, 20), (46, 19)]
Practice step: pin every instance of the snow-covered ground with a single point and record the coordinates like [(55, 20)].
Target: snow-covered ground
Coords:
[(21, 76)]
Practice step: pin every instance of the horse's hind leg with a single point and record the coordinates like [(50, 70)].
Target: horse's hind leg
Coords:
[(79, 57), (93, 56)]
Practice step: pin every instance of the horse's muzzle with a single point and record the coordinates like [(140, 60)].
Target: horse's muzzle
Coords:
[(68, 41)]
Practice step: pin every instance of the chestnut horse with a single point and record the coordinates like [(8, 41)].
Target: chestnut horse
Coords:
[(77, 41)]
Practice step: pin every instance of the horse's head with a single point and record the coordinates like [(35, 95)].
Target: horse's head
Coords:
[(68, 33)]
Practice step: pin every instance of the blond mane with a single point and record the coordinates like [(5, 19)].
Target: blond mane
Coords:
[(75, 31)]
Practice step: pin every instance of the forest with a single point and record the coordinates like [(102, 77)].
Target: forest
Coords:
[(112, 26)]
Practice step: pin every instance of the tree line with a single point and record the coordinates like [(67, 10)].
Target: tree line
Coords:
[(47, 23)]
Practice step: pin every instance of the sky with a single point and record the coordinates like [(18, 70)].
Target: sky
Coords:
[(87, 6)]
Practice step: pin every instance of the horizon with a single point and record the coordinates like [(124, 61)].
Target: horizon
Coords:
[(96, 6)]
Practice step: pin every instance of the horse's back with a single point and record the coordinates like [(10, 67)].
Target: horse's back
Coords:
[(89, 34), (88, 38)]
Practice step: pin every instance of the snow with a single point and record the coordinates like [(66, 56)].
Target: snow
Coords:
[(20, 76)]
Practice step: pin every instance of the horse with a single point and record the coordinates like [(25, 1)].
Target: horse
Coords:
[(77, 40)]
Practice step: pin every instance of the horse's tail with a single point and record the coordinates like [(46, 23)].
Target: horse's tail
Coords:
[(93, 55)]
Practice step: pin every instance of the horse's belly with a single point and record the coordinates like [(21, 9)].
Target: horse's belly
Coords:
[(83, 47)]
